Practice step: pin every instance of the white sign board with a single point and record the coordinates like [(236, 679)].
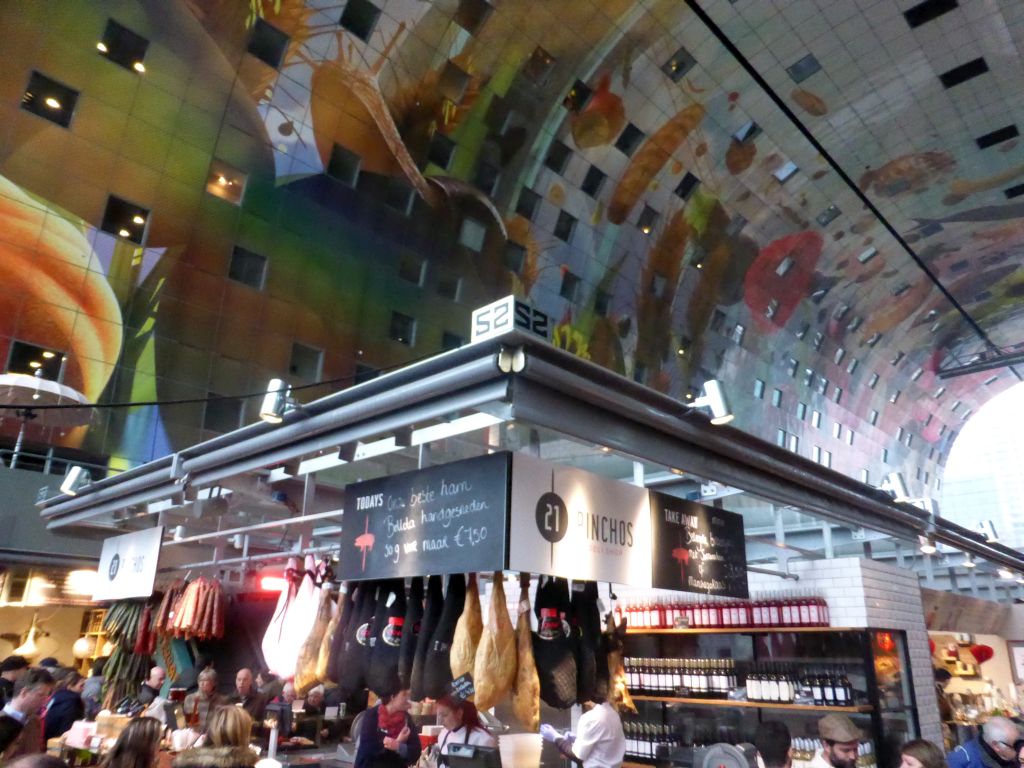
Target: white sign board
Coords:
[(128, 565), (503, 315), (567, 522)]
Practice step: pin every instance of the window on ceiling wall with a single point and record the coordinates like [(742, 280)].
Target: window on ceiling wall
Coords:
[(33, 360), (125, 220), (816, 419), (226, 182), (248, 268), (402, 329), (123, 47), (570, 286), (565, 225), (412, 268), (515, 256), (307, 362), (222, 414), (801, 411), (758, 389), (629, 139), (593, 181), (777, 397), (267, 43), (451, 340), (49, 99), (360, 18), (558, 156), (441, 150), (526, 205)]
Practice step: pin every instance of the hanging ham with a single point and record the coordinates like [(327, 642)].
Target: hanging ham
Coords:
[(293, 620), (494, 669), (385, 644), (342, 613), (614, 641), (585, 623), (343, 634), (437, 670), (410, 631), (355, 655), (431, 617), (552, 647), (309, 654), (467, 632), (526, 698)]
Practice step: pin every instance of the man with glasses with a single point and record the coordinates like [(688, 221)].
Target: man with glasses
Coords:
[(991, 748)]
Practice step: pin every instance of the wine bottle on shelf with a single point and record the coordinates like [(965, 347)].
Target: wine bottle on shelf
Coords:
[(816, 689)]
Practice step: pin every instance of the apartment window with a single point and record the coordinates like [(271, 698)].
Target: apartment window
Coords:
[(816, 454), (123, 47), (939, 393), (853, 365), (873, 381), (873, 418), (248, 267), (472, 234), (412, 268), (864, 476), (801, 411), (837, 358), (826, 458), (307, 362), (49, 99), (593, 181), (471, 14), (558, 156), (837, 430), (794, 443), (35, 361), (792, 366), (268, 43), (803, 330), (125, 220), (816, 419), (515, 256), (451, 340), (675, 68), (565, 226), (449, 285), (776, 397), (894, 396), (955, 407), (899, 434), (222, 414), (648, 218), (441, 151), (917, 374), (538, 66), (570, 286), (849, 436), (837, 395), (898, 358), (226, 182), (344, 165), (780, 438), (360, 18), (402, 329), (808, 377), (577, 97), (885, 455), (910, 440), (759, 389), (686, 186), (818, 339), (527, 204), (822, 385), (629, 139), (749, 130)]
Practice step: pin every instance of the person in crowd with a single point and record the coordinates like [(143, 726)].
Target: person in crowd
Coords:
[(11, 670), (227, 743), (599, 741), (840, 739), (461, 725), (92, 691), (189, 678), (201, 705), (774, 745), (50, 663), (150, 689), (249, 698), (38, 760), (138, 745), (267, 680), (991, 748), (314, 704), (1018, 747), (287, 693), (388, 737), (21, 728), (65, 705), (920, 753)]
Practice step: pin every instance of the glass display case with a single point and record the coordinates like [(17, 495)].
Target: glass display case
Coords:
[(703, 686)]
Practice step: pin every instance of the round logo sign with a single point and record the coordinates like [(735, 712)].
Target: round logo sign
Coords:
[(115, 564), (552, 517)]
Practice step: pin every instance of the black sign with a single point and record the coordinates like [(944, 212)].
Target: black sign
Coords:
[(445, 519), (697, 548), (462, 687)]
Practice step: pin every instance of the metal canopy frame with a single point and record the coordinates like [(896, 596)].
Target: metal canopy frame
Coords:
[(522, 377)]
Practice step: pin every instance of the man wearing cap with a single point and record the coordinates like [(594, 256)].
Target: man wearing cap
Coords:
[(840, 739), (11, 670), (991, 748)]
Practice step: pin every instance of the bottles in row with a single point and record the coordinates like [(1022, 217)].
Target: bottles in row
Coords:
[(829, 687), (772, 682), (643, 739), (773, 610), (687, 678)]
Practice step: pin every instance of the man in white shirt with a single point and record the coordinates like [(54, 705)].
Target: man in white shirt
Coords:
[(599, 741), (840, 739)]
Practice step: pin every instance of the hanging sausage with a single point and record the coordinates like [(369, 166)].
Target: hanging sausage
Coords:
[(410, 631), (431, 618), (437, 671)]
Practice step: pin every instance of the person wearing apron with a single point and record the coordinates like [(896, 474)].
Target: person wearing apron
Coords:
[(462, 725)]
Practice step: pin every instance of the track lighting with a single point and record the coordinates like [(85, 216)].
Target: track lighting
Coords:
[(713, 397), (969, 561), (927, 545), (278, 402), (1006, 573), (76, 479)]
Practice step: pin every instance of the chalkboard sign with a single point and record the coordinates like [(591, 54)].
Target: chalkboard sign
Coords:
[(445, 519), (462, 687), (697, 548)]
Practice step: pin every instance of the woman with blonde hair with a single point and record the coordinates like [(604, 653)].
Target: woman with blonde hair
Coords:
[(137, 746), (227, 742)]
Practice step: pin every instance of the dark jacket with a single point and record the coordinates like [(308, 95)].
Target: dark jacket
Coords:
[(147, 693), (20, 739), (6, 691), (216, 757), (9, 730), (371, 752), (65, 707)]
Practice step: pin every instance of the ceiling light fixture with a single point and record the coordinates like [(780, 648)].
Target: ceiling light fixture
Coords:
[(1005, 574), (713, 397), (29, 648), (51, 102), (136, 219), (101, 47), (927, 545), (76, 479), (277, 403), (969, 561), (139, 67), (124, 232)]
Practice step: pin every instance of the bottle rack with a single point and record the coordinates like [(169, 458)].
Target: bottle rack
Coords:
[(785, 609)]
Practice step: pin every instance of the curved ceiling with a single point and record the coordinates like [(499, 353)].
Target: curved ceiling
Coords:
[(815, 203)]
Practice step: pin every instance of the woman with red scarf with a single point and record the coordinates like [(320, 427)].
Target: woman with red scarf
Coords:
[(388, 738)]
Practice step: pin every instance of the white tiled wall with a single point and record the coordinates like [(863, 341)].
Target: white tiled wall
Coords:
[(865, 593)]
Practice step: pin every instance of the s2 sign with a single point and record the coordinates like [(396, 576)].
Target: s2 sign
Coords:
[(505, 314)]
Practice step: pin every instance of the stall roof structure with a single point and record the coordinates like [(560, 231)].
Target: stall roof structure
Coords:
[(278, 487)]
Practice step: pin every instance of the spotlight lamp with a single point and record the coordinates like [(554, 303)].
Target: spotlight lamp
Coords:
[(969, 561), (76, 479), (277, 402), (712, 397), (1006, 574), (927, 545)]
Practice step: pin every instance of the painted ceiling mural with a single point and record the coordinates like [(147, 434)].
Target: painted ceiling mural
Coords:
[(319, 190)]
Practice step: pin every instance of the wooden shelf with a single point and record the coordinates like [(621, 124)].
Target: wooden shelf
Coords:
[(752, 704), (740, 630)]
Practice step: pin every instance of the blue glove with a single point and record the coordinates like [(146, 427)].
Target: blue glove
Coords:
[(548, 733), (569, 737)]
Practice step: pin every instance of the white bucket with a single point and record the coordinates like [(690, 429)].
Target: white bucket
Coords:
[(520, 750)]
